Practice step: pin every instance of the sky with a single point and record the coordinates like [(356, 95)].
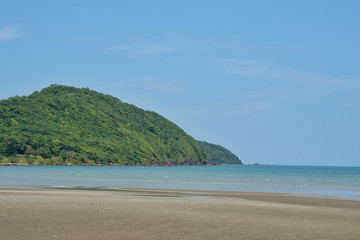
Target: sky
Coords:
[(275, 82)]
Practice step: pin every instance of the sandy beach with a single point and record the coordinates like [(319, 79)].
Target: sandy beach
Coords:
[(172, 214)]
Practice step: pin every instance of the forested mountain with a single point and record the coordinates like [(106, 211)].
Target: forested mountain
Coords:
[(63, 124), (218, 154), (68, 125)]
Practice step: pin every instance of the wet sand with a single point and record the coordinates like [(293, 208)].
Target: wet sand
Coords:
[(172, 214)]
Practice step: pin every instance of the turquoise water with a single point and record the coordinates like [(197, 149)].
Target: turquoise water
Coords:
[(310, 180)]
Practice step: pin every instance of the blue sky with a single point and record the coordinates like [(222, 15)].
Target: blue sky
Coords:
[(273, 81)]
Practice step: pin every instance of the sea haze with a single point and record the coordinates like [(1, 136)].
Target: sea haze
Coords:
[(309, 180)]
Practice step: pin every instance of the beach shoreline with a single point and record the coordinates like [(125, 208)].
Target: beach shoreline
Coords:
[(138, 213)]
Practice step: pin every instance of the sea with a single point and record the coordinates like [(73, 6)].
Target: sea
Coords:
[(342, 182)]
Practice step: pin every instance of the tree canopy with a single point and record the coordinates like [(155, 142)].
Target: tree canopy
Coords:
[(218, 154)]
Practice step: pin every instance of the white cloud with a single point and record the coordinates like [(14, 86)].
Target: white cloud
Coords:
[(10, 32), (259, 69), (150, 49)]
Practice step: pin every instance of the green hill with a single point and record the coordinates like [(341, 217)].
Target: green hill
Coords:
[(67, 125), (218, 154)]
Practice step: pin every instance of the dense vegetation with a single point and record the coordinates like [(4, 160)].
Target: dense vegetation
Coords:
[(67, 125), (218, 154)]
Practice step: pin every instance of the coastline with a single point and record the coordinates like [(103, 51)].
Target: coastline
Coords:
[(137, 213), (115, 164)]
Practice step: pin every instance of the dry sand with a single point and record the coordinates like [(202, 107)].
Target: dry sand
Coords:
[(172, 214)]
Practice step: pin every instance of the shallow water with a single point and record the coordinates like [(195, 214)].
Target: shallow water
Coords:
[(328, 181)]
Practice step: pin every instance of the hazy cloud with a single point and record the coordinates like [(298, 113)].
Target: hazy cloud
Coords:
[(349, 101), (151, 83), (10, 32), (259, 100), (150, 49), (250, 107), (259, 69), (183, 58), (266, 94)]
